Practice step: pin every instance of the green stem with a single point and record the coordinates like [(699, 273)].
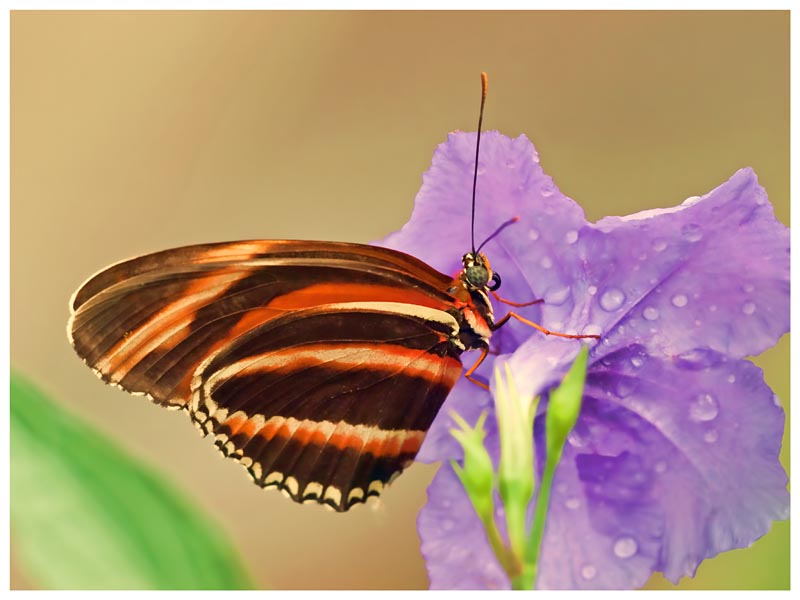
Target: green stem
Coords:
[(540, 514), (507, 559)]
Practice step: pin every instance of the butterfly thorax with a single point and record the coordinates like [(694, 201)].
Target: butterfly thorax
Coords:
[(470, 288)]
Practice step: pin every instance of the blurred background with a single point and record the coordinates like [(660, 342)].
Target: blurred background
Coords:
[(138, 131)]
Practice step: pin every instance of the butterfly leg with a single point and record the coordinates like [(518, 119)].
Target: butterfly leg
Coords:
[(573, 336), (499, 298), (471, 370)]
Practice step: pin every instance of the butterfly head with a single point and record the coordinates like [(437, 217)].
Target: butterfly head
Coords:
[(477, 274)]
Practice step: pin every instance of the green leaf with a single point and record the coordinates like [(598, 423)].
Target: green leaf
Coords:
[(84, 515)]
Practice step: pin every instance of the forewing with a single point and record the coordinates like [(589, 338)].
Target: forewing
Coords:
[(146, 324), (329, 403)]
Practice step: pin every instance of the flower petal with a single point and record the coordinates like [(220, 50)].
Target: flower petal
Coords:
[(668, 465), (710, 273)]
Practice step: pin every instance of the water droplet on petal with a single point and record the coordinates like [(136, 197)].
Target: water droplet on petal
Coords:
[(612, 299), (533, 234), (625, 547), (679, 300), (776, 401), (571, 236), (572, 503), (748, 287), (546, 262), (588, 572), (637, 361), (624, 386), (575, 439), (650, 313), (731, 378), (703, 408), (557, 297), (748, 308), (692, 232), (592, 290), (711, 436), (659, 245), (712, 308), (698, 358), (660, 466)]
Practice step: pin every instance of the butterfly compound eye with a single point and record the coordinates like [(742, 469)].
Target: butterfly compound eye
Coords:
[(477, 276), (494, 282)]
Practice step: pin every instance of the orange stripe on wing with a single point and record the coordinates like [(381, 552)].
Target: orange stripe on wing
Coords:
[(332, 293), (168, 327), (342, 356), (342, 435)]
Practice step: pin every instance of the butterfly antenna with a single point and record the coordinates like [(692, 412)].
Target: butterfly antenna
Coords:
[(484, 84), (511, 221)]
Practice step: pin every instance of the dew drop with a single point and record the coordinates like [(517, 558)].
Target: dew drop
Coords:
[(592, 290), (692, 232), (572, 503), (703, 408), (748, 287), (660, 466), (637, 361), (571, 236), (588, 572), (557, 297), (679, 300), (612, 299), (650, 313), (624, 387), (659, 245), (625, 547), (776, 401), (731, 378), (748, 308), (533, 234), (575, 439), (697, 359), (711, 436), (712, 308), (547, 189), (546, 262)]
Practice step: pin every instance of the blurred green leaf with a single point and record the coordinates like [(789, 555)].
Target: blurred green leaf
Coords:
[(85, 515)]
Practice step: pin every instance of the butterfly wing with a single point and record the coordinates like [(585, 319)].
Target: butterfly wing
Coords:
[(329, 403), (147, 323)]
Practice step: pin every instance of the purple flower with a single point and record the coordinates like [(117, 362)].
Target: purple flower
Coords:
[(675, 455)]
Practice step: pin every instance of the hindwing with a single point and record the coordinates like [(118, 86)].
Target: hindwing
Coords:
[(329, 403)]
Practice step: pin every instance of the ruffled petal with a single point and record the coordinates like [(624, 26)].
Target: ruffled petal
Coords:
[(711, 273), (668, 465)]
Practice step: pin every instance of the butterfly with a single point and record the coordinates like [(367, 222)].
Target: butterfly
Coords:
[(319, 366)]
